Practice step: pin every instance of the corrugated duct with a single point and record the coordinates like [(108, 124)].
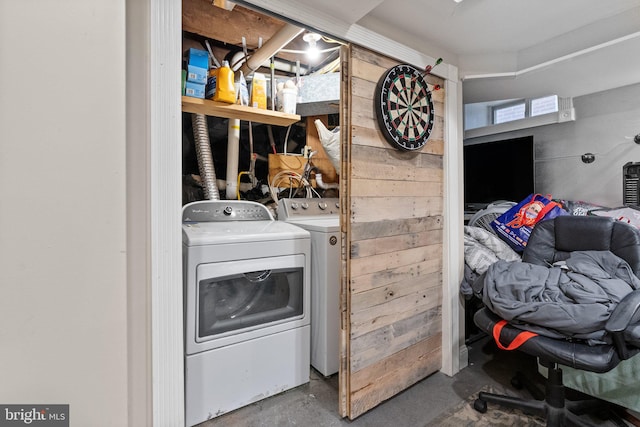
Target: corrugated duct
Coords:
[(205, 158)]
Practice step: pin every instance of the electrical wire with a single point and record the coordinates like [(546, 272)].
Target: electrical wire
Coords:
[(238, 187), (294, 178), (303, 52), (272, 141), (328, 40), (286, 139), (252, 158), (276, 179), (604, 153)]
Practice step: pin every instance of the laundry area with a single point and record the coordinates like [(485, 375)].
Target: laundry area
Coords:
[(261, 240), (265, 106)]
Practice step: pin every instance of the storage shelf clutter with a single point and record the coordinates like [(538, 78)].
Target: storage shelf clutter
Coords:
[(236, 111)]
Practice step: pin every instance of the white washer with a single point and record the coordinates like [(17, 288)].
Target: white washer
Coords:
[(247, 313), (321, 217)]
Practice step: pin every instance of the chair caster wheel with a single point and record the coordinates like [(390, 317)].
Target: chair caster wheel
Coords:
[(480, 406)]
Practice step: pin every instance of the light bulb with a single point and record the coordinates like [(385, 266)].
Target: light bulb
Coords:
[(313, 52)]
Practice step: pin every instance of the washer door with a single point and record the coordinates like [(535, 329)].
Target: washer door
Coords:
[(237, 296)]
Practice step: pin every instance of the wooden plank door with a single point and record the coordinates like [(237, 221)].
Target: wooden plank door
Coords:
[(392, 257)]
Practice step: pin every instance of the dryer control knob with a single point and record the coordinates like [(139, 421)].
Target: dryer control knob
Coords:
[(305, 205), (227, 211), (294, 206), (322, 206)]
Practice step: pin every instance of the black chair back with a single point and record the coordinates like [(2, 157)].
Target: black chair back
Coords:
[(553, 240)]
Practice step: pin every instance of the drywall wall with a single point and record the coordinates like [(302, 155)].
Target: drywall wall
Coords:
[(62, 219), (605, 125)]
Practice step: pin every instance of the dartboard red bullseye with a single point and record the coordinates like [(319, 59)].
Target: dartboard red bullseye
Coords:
[(404, 107)]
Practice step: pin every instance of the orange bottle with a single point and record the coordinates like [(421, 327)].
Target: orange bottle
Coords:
[(225, 85)]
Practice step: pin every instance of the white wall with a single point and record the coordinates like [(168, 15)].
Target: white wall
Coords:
[(63, 328), (605, 125)]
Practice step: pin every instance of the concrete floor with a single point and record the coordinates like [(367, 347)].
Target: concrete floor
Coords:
[(316, 403)]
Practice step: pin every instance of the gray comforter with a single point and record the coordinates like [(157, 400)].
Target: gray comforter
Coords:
[(481, 249), (571, 299)]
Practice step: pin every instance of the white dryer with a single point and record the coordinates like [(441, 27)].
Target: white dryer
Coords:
[(321, 217), (247, 313)]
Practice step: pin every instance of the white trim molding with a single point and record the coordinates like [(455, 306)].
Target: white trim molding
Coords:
[(454, 352), (165, 213), (138, 234), (546, 64)]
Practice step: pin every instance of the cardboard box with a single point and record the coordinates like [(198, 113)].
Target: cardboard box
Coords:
[(196, 74), (286, 162), (199, 58), (194, 90)]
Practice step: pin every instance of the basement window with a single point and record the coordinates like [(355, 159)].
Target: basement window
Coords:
[(545, 105), (489, 118), (521, 109), (509, 112)]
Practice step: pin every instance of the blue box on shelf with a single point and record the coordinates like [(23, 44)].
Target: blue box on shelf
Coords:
[(199, 58), (196, 74), (194, 90)]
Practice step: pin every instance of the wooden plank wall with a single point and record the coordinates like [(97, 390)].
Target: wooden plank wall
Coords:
[(393, 257)]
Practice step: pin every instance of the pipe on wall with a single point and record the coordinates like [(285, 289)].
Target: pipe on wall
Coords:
[(233, 155), (273, 45)]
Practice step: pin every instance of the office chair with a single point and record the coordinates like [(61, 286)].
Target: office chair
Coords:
[(551, 241)]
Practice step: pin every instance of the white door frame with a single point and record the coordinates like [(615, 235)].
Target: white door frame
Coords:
[(164, 212), (164, 204)]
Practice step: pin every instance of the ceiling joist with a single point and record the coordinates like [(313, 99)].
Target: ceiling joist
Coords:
[(227, 26)]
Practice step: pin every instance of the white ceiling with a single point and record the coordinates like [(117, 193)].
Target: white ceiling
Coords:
[(512, 48)]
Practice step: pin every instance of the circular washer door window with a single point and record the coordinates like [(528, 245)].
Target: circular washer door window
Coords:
[(404, 108)]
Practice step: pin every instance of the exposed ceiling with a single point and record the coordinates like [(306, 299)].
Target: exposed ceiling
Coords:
[(504, 49), (225, 31), (511, 48)]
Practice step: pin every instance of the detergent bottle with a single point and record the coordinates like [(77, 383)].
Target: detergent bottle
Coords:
[(225, 85)]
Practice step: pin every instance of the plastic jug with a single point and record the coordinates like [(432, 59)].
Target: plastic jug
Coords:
[(225, 85)]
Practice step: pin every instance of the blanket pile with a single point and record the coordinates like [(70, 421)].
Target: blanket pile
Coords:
[(481, 249), (570, 299)]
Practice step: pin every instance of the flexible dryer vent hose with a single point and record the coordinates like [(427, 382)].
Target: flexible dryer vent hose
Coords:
[(205, 159)]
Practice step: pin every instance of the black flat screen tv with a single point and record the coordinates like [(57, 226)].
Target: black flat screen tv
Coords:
[(498, 170)]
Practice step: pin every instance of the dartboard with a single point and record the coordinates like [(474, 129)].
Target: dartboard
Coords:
[(404, 107)]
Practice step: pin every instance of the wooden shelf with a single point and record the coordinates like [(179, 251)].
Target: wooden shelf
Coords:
[(235, 111)]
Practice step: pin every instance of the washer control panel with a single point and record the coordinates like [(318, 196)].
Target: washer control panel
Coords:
[(225, 210), (296, 208)]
